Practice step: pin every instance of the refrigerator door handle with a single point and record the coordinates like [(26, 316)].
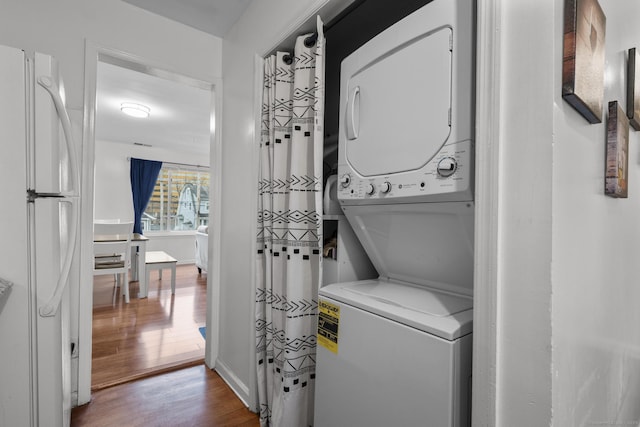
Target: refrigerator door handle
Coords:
[(50, 308), (51, 87)]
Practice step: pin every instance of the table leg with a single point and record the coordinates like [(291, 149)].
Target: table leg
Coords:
[(134, 263), (142, 271), (173, 278)]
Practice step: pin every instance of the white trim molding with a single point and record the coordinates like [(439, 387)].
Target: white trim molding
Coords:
[(258, 75), (228, 376), (485, 373), (215, 219)]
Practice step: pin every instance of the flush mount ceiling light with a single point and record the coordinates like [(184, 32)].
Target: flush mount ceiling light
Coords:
[(135, 110)]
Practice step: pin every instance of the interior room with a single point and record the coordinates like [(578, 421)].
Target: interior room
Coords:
[(177, 133), (553, 269)]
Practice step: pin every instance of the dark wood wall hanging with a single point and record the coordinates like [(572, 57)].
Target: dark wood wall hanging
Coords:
[(633, 88), (584, 58), (617, 167)]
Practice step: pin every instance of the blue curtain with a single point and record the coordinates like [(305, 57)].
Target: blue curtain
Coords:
[(144, 174)]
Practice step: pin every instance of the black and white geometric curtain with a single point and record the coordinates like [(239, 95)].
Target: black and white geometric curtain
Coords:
[(290, 232)]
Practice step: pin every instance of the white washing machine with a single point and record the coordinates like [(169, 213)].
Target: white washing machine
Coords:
[(402, 357), (396, 351)]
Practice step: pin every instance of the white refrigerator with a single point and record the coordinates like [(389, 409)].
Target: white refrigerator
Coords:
[(38, 227)]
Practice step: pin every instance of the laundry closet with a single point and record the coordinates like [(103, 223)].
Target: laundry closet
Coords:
[(395, 312)]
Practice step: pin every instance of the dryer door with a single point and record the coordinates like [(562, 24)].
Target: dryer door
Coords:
[(397, 103)]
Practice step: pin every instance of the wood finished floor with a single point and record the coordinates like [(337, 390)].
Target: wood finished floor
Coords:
[(191, 397), (148, 335), (147, 366)]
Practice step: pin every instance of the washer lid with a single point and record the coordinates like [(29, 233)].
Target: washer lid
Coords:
[(444, 314)]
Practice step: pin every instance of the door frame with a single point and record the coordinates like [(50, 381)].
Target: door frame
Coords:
[(93, 54), (487, 222)]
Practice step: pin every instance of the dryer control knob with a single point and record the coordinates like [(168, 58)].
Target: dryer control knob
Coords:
[(385, 187), (345, 180), (370, 189), (447, 167)]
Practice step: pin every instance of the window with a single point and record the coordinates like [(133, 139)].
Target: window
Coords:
[(180, 199)]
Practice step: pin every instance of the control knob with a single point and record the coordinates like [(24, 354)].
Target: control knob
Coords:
[(447, 167), (370, 189), (385, 187), (345, 180)]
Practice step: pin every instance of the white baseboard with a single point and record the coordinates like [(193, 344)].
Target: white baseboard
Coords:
[(239, 388)]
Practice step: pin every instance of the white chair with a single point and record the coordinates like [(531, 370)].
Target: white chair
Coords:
[(112, 252)]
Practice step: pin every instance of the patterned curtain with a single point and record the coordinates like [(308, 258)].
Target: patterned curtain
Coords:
[(290, 232)]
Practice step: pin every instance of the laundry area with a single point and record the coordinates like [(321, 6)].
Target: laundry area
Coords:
[(407, 248), (396, 305)]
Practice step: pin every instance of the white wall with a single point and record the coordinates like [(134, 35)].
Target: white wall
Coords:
[(61, 28), (112, 191), (568, 338), (261, 27), (596, 248)]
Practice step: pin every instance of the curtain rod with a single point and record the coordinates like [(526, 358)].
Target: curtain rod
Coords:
[(308, 42), (174, 164)]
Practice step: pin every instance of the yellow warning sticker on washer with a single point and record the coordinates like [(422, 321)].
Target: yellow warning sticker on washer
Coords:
[(328, 325)]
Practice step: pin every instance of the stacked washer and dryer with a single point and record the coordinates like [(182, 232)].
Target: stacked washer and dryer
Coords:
[(396, 351)]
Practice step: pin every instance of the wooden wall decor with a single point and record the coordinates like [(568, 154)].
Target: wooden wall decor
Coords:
[(617, 165), (633, 88), (584, 58)]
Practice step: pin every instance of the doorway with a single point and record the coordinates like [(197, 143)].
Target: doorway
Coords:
[(106, 183)]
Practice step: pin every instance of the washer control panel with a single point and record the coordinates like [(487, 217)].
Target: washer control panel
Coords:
[(448, 176)]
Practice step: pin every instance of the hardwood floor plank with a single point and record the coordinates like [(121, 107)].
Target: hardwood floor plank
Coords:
[(150, 334), (191, 397), (140, 351), (126, 377)]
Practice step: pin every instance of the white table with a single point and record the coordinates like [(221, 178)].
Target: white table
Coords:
[(159, 260)]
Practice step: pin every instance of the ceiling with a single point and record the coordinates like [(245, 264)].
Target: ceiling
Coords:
[(215, 17), (180, 112)]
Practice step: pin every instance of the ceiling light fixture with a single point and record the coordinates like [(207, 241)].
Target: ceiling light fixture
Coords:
[(135, 110)]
